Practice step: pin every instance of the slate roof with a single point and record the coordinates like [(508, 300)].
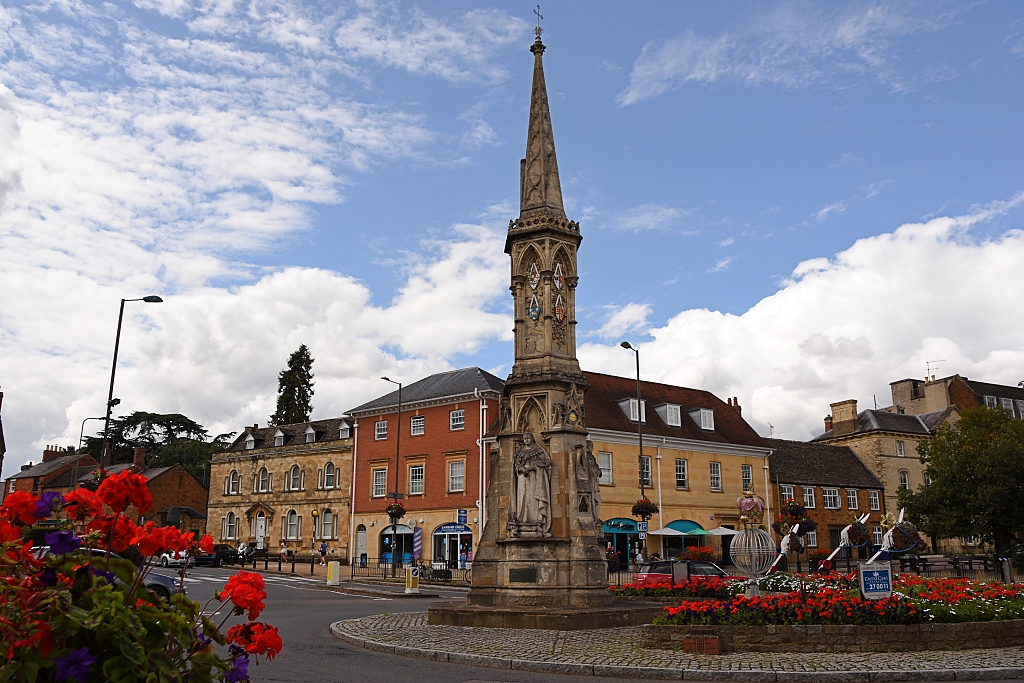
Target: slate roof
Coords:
[(881, 421), (44, 468), (818, 464), (326, 430), (603, 411), (440, 385), (65, 480), (999, 390), (174, 513)]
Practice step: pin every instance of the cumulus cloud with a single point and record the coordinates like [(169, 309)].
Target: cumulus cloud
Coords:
[(622, 319), (793, 45), (844, 327)]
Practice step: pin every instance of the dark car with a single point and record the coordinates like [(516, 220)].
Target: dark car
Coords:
[(222, 554), (163, 586), (661, 572)]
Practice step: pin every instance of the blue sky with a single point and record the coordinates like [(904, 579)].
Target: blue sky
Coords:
[(792, 203)]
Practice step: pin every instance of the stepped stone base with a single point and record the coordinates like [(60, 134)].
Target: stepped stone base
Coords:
[(550, 618)]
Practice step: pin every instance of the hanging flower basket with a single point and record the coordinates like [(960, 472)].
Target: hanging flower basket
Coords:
[(791, 514), (395, 511), (644, 508)]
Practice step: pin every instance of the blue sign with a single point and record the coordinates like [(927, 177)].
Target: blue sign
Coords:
[(417, 543), (463, 517), (876, 581), (642, 526), (453, 528)]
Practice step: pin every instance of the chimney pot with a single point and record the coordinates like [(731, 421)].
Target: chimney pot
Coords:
[(828, 423), (256, 425), (139, 459)]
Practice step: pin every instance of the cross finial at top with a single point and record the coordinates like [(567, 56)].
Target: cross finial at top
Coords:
[(537, 31)]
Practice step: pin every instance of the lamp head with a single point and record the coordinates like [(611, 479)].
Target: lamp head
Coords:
[(625, 345), (386, 379), (152, 299), (314, 513)]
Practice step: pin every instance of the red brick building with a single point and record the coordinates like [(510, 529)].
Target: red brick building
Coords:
[(443, 421), (56, 464)]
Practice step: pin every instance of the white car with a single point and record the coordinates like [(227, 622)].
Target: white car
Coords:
[(175, 559)]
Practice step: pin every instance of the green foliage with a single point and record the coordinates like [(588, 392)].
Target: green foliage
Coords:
[(977, 472), (169, 439), (295, 389)]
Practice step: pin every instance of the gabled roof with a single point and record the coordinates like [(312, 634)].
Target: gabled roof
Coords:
[(998, 390), (818, 464), (48, 467), (326, 430), (603, 411), (68, 478), (441, 385), (882, 421)]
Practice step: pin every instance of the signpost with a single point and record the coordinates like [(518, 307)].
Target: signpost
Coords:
[(642, 526), (876, 581)]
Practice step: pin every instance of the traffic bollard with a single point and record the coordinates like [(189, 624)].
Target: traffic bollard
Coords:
[(293, 562)]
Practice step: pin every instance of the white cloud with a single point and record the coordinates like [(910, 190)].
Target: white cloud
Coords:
[(721, 264), (845, 327), (643, 217), (622, 319), (728, 241), (829, 209), (794, 45), (874, 189)]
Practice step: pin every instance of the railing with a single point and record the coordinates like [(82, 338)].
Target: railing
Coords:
[(620, 577), (435, 572), (977, 567)]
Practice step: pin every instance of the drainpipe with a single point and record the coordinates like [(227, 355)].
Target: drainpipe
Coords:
[(352, 497), (661, 520)]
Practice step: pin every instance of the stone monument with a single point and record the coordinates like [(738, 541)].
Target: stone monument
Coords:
[(541, 545)]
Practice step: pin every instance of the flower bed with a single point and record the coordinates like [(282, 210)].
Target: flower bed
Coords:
[(711, 587)]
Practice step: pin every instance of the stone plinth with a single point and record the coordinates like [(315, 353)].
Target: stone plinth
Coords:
[(550, 618)]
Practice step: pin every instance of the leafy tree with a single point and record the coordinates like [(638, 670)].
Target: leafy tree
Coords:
[(168, 439), (295, 389), (977, 472)]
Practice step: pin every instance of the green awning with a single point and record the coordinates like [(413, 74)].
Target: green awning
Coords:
[(684, 525)]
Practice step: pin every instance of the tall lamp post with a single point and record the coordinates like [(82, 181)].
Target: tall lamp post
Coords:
[(395, 495), (81, 437), (111, 401), (312, 551), (639, 432)]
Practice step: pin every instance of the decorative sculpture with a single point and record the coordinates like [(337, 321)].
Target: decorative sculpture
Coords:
[(592, 471), (902, 537), (531, 494)]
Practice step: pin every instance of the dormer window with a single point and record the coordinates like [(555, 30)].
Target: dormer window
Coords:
[(670, 413), (345, 432), (250, 442), (634, 409), (310, 435), (705, 418), (278, 438)]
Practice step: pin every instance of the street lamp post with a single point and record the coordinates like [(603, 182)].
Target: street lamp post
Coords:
[(111, 401), (81, 436), (312, 551), (395, 495), (639, 416)]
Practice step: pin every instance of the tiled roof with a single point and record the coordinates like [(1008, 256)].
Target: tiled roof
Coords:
[(603, 411), (440, 385), (65, 480), (998, 390), (44, 468), (174, 513), (801, 462), (882, 421), (326, 430)]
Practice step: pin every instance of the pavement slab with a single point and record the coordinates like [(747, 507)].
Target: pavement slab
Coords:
[(617, 652)]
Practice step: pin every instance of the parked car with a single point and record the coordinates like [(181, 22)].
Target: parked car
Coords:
[(222, 554), (163, 586), (661, 572), (175, 559)]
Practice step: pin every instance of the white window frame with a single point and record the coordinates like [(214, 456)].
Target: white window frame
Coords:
[(681, 469), (715, 474), (345, 431), (279, 438), (673, 415), (310, 435), (1007, 404), (416, 475), (234, 483), (927, 478), (747, 475), (456, 481), (1020, 409), (14, 482), (633, 410), (808, 492), (417, 425), (294, 478), (904, 479), (877, 534), (380, 430), (330, 476), (379, 483), (991, 402), (851, 499), (811, 537), (645, 469), (250, 443), (901, 450), (457, 420), (326, 523), (707, 420), (292, 525), (787, 492), (830, 498), (606, 469), (874, 500), (264, 480), (232, 530)]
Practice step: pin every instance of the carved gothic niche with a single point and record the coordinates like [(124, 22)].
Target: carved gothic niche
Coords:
[(531, 417)]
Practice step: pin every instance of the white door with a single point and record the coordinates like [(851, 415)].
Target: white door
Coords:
[(261, 530), (360, 542)]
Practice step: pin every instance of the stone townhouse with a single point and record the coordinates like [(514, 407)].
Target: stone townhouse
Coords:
[(287, 483), (440, 459), (916, 397), (700, 456), (832, 483)]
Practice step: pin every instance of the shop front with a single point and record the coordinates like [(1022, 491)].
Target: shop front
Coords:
[(692, 537), (452, 546), (398, 539), (624, 537)]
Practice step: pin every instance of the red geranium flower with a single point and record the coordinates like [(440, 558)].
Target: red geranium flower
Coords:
[(120, 490), (246, 591), (20, 506), (257, 638), (82, 504)]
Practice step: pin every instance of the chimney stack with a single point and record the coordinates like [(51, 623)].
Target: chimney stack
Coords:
[(256, 426), (50, 452), (139, 459), (844, 417), (734, 402), (28, 466), (828, 423)]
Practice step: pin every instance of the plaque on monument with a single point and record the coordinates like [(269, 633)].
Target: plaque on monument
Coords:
[(876, 581), (523, 575)]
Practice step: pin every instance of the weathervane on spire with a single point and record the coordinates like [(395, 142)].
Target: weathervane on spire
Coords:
[(538, 30)]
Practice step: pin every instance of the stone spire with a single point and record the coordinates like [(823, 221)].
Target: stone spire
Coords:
[(540, 191)]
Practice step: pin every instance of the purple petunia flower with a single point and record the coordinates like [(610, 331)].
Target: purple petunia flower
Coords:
[(62, 542), (239, 670), (109, 576), (74, 664), (46, 503), (48, 577)]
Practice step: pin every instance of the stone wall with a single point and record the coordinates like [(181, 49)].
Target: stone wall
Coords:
[(895, 638)]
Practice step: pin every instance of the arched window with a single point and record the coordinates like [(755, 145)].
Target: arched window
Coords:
[(296, 479), (329, 476), (328, 524), (904, 479), (264, 479), (293, 525), (233, 482), (232, 526)]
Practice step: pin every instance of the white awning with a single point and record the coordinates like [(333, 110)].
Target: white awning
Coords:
[(722, 531), (665, 532)]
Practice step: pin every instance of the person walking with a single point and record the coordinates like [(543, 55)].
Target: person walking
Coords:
[(284, 551), (323, 553)]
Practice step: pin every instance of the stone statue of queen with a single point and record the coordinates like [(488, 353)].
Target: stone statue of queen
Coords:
[(532, 490)]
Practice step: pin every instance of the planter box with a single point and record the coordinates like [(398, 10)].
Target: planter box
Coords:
[(846, 638)]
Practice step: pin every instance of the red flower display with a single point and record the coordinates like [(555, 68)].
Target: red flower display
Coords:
[(21, 507), (257, 638), (246, 592), (120, 490)]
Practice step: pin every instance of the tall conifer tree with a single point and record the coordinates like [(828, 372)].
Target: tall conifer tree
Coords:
[(295, 389)]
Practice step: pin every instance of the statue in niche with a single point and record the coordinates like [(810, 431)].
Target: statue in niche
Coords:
[(531, 493), (504, 416), (588, 479)]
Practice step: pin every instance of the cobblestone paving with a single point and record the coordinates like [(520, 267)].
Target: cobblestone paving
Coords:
[(620, 647)]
